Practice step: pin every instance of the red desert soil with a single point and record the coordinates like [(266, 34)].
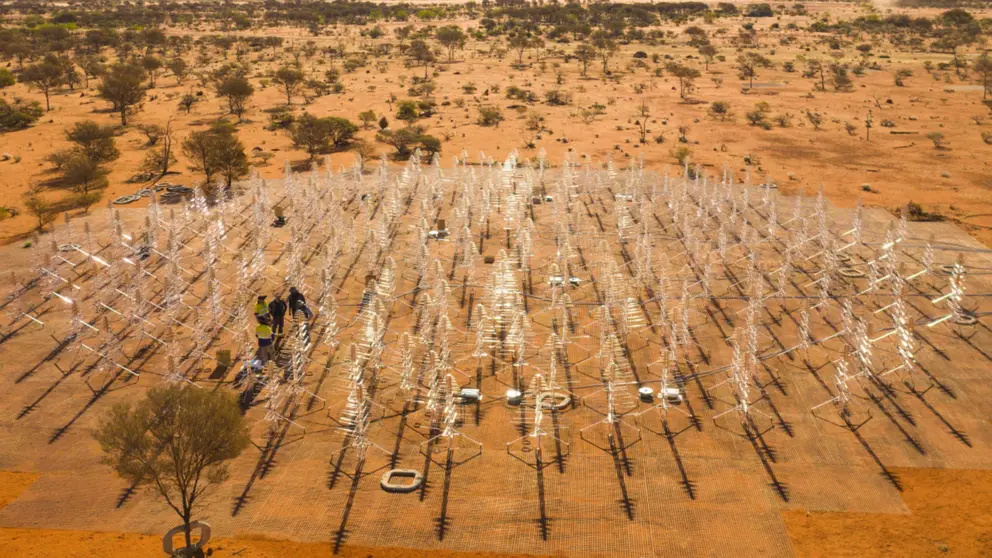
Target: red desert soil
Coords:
[(950, 515), (85, 544)]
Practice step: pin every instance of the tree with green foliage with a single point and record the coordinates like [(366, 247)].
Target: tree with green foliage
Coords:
[(310, 134), (179, 69), (585, 53), (237, 91), (84, 174), (38, 207), (748, 65), (187, 101), (45, 76), (520, 43), (686, 75), (367, 117), (94, 141), (404, 141), (606, 47), (983, 67), (214, 151), (151, 64), (176, 441), (123, 85), (290, 79), (340, 131), (407, 111), (229, 154), (708, 52), (452, 38), (420, 53), (92, 66)]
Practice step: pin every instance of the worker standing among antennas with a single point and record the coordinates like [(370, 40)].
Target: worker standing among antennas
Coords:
[(277, 308), (261, 309), (263, 332), (297, 303)]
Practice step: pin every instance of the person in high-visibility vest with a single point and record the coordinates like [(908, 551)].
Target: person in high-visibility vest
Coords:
[(263, 332), (261, 309)]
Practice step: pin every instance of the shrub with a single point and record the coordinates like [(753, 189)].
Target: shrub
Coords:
[(760, 10), (938, 140), (6, 78), (514, 92), (757, 116), (915, 212), (18, 114), (407, 110), (681, 154), (281, 119), (490, 116), (720, 110), (557, 97)]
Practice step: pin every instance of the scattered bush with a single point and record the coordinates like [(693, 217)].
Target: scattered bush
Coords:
[(18, 114), (408, 139), (720, 110), (938, 140), (557, 97), (681, 154), (490, 116), (516, 93), (281, 118), (6, 78), (915, 212)]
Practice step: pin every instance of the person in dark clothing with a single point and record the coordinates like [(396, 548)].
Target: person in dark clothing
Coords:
[(277, 309), (297, 303)]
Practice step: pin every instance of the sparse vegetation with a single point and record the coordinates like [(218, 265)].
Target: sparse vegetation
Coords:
[(176, 441), (490, 116), (18, 114), (456, 67)]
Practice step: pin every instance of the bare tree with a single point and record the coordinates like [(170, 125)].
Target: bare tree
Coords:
[(643, 113), (159, 159)]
